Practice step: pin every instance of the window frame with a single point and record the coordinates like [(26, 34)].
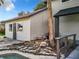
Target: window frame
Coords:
[(64, 0), (19, 27), (10, 27)]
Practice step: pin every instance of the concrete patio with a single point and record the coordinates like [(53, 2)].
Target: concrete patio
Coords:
[(7, 41), (74, 54), (31, 56)]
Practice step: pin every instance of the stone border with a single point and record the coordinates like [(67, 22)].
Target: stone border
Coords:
[(31, 56)]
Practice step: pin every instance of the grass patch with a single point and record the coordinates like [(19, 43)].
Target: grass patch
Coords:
[(2, 33)]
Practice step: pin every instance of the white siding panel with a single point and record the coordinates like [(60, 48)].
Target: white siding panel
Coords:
[(25, 34), (8, 33)]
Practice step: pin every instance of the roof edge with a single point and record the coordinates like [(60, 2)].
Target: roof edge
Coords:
[(26, 16)]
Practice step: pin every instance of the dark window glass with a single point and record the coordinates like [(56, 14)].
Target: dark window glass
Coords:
[(10, 27), (64, 0)]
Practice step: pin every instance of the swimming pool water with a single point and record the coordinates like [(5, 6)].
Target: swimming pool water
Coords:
[(12, 56)]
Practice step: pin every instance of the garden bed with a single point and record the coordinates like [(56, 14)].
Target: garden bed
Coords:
[(37, 47)]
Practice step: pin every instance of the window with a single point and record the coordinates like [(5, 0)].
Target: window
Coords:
[(10, 27), (64, 0), (20, 27)]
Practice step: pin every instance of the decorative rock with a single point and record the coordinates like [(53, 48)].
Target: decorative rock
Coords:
[(53, 53), (48, 51), (32, 51), (43, 44), (43, 52), (49, 48), (30, 48), (39, 47)]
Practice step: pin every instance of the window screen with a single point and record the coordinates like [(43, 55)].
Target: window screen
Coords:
[(20, 27), (64, 0), (10, 27)]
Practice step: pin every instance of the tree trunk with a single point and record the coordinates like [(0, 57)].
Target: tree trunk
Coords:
[(50, 24)]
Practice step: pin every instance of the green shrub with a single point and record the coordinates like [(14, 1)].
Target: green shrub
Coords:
[(2, 32)]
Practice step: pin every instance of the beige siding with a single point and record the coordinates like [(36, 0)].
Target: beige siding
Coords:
[(70, 24), (70, 3), (39, 24), (58, 5)]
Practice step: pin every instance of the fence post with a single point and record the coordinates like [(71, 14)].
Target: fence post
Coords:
[(74, 40), (66, 45), (58, 49)]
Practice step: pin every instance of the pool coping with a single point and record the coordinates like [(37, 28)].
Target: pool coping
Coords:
[(31, 56)]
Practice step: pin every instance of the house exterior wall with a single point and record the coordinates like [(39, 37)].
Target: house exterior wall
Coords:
[(39, 24), (34, 26), (23, 35), (68, 24)]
